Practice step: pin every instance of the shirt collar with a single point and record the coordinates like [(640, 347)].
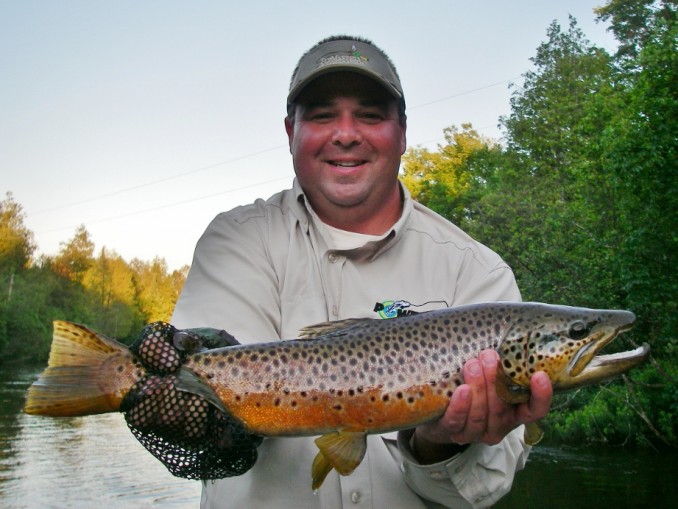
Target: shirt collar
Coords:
[(371, 249)]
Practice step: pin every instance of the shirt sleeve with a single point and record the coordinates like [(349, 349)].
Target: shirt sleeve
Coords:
[(232, 284), (476, 478)]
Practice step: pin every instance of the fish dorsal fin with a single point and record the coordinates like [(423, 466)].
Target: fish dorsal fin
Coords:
[(335, 328), (341, 450)]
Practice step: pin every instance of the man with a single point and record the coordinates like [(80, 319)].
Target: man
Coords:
[(348, 241)]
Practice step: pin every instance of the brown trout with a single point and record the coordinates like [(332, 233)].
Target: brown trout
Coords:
[(344, 380)]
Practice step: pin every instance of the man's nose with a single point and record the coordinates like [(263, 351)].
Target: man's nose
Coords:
[(347, 131)]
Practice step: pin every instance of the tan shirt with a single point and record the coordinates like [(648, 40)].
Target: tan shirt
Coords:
[(265, 270)]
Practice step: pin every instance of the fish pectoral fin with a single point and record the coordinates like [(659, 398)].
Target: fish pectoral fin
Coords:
[(509, 391), (187, 381), (341, 450), (533, 433)]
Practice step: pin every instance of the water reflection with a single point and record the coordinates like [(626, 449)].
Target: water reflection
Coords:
[(566, 478), (79, 462)]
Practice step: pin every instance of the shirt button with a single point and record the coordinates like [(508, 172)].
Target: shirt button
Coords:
[(438, 475), (355, 497)]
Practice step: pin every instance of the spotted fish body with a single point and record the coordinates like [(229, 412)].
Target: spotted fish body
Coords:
[(344, 380), (381, 375)]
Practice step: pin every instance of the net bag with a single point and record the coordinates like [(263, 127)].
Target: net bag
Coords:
[(192, 437)]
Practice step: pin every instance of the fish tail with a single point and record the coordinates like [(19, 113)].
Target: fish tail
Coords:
[(87, 374)]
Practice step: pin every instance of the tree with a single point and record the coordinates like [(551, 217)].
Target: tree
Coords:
[(582, 203), (110, 281), (634, 23), (640, 153), (16, 241), (156, 289), (543, 216), (451, 178), (75, 256)]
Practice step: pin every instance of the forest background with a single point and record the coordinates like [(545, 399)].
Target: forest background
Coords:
[(580, 198)]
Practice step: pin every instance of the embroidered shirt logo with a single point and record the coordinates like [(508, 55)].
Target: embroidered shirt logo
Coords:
[(395, 308), (392, 308)]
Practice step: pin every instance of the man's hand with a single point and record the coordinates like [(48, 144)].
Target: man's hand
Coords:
[(477, 414)]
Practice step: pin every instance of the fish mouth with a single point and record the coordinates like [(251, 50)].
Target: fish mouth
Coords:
[(604, 367), (587, 368)]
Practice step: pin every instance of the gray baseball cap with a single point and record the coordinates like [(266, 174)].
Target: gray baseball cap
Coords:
[(345, 55)]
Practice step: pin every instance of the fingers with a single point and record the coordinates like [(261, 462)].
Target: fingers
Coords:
[(475, 371), (477, 414), (540, 399)]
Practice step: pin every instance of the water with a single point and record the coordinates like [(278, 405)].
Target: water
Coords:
[(86, 462), (78, 462), (566, 478)]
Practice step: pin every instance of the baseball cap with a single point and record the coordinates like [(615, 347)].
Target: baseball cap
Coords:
[(354, 55)]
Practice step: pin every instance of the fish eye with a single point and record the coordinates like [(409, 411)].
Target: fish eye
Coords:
[(579, 330)]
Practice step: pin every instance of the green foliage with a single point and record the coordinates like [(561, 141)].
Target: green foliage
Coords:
[(16, 241), (638, 410), (447, 181), (582, 202), (105, 292)]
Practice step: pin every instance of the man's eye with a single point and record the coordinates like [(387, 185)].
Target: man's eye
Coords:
[(371, 117), (321, 116)]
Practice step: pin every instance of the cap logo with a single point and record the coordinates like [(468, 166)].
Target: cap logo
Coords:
[(353, 57)]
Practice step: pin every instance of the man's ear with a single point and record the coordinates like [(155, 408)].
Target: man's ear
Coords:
[(289, 129), (403, 136)]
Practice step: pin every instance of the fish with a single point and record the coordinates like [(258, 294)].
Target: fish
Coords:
[(343, 380)]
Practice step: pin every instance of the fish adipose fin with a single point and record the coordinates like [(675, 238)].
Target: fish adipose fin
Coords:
[(83, 376), (341, 450)]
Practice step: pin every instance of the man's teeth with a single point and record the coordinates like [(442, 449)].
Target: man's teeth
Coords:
[(347, 165)]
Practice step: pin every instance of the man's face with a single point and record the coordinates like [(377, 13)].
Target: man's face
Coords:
[(346, 139)]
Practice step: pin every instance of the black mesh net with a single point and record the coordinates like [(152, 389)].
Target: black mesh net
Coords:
[(191, 437)]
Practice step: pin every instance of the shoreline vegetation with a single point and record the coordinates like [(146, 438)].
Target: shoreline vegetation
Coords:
[(579, 197)]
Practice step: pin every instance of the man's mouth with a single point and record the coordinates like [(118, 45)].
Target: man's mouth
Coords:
[(346, 164)]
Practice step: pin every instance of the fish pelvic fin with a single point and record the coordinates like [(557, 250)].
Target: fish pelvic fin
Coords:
[(87, 373), (533, 433), (340, 450)]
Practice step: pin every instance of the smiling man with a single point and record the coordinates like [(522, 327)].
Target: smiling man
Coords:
[(346, 138), (348, 241)]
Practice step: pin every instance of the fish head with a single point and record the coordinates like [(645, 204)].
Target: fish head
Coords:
[(564, 342)]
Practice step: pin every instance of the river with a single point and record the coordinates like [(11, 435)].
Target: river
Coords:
[(95, 462)]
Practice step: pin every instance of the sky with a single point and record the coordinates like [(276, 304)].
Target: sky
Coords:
[(142, 120)]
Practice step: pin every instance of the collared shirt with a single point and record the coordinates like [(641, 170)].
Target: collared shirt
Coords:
[(266, 270)]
